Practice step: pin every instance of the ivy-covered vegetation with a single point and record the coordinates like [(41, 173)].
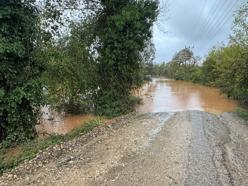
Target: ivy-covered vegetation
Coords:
[(225, 67), (86, 64), (20, 71), (125, 27)]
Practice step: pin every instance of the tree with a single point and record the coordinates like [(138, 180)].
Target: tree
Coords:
[(240, 27), (233, 68), (210, 71), (71, 73), (123, 28), (147, 57), (184, 57), (20, 71), (183, 65)]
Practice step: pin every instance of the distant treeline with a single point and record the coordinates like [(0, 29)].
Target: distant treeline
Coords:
[(225, 67)]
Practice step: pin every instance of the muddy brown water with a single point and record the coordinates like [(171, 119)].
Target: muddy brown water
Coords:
[(63, 125), (166, 95), (161, 95)]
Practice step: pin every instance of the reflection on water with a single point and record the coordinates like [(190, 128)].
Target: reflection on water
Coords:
[(59, 123), (66, 124), (161, 95), (164, 95)]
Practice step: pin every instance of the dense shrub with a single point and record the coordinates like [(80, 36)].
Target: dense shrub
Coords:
[(20, 71), (71, 72)]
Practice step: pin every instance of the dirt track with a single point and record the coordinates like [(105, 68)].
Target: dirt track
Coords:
[(184, 148)]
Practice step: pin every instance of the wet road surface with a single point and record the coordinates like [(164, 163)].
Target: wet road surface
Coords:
[(175, 148)]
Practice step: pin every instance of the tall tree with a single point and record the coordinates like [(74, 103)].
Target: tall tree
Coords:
[(147, 56), (71, 72), (123, 28), (240, 27), (20, 85)]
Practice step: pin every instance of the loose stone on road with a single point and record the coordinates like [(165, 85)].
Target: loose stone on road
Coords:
[(182, 148)]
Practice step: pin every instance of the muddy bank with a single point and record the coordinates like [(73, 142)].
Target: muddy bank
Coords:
[(182, 148)]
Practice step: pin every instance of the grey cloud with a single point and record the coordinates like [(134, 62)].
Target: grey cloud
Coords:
[(195, 23)]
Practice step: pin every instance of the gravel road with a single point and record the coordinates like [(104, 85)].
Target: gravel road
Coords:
[(183, 148)]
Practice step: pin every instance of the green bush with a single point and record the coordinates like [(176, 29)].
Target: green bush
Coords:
[(20, 71), (71, 72), (243, 113)]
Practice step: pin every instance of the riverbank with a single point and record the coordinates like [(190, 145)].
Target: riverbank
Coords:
[(155, 148), (12, 157), (160, 95)]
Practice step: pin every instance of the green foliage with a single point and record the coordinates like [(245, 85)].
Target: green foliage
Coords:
[(210, 70), (92, 68), (243, 113), (240, 28), (87, 127), (225, 67), (30, 149), (71, 72), (183, 66), (147, 57), (125, 27), (20, 70)]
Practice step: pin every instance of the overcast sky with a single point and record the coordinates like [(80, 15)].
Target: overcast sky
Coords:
[(197, 23)]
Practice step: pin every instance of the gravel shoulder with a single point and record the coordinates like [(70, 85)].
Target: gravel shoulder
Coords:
[(183, 148)]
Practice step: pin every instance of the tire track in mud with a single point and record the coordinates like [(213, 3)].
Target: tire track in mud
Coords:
[(217, 134), (201, 168)]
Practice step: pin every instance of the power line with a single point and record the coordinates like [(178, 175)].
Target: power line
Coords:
[(216, 21), (217, 5), (224, 17), (214, 15), (220, 21), (200, 17)]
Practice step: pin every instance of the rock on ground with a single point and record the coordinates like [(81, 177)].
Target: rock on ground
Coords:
[(184, 148)]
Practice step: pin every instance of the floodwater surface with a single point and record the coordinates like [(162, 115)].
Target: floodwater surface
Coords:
[(161, 95), (65, 124), (165, 95), (53, 122)]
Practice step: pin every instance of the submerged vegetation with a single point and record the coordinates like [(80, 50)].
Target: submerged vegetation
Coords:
[(86, 64), (92, 63)]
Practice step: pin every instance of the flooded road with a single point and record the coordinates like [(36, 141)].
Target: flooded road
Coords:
[(165, 95), (163, 148), (161, 95), (182, 149)]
